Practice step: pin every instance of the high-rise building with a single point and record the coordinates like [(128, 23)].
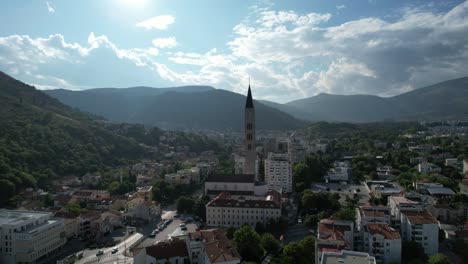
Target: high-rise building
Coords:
[(28, 236), (249, 126), (278, 172)]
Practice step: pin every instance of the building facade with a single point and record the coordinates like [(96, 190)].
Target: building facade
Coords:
[(278, 172), (28, 236)]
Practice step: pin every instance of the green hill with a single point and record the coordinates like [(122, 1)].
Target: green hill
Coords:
[(40, 138)]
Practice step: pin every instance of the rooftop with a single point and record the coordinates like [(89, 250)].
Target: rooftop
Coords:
[(383, 230), (14, 217), (246, 178), (440, 191), (165, 250), (331, 229), (348, 257), (402, 200), (217, 246), (224, 199), (420, 217)]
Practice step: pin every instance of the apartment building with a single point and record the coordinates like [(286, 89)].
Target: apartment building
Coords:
[(278, 172), (382, 242), (28, 236), (333, 236), (421, 227)]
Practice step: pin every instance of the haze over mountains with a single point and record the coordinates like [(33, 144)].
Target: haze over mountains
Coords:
[(206, 107)]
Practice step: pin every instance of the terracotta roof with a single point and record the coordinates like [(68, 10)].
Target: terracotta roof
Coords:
[(327, 229), (465, 182), (420, 217), (250, 178), (384, 230), (402, 200), (164, 250), (66, 215), (272, 200), (218, 248)]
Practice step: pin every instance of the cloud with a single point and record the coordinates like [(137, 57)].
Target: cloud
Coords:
[(157, 22), (169, 42), (340, 7), (50, 8)]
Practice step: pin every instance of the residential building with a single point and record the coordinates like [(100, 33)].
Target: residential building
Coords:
[(87, 195), (210, 247), (241, 184), (465, 167), (239, 164), (448, 214), (333, 235), (29, 236), (420, 226), (296, 149), (346, 256), (464, 186), (141, 208), (230, 210), (399, 203), (382, 242), (278, 172), (172, 251), (440, 192), (71, 223), (382, 188), (427, 167), (452, 162), (373, 214), (341, 171), (423, 185)]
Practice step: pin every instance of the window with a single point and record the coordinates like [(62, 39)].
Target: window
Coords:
[(249, 147)]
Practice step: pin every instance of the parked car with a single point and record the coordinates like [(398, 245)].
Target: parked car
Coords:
[(183, 228), (114, 250), (100, 252)]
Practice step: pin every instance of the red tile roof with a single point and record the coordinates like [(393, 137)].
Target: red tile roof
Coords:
[(420, 217), (384, 230), (164, 250)]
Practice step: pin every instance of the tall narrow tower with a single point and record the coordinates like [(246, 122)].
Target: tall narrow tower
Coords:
[(250, 153)]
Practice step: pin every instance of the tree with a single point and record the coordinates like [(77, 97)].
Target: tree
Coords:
[(412, 252), (301, 252), (247, 243), (230, 232), (185, 205), (439, 259), (199, 208), (7, 190), (270, 243)]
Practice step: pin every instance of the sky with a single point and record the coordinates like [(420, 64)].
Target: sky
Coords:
[(289, 49)]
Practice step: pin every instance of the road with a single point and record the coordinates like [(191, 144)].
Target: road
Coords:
[(108, 257), (344, 190)]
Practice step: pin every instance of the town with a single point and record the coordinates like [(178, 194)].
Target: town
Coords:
[(391, 193)]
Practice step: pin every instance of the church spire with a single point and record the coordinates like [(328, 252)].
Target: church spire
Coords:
[(249, 101)]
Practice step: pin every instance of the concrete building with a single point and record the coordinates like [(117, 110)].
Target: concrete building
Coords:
[(464, 186), (465, 167), (172, 251), (373, 214), (399, 203), (29, 236), (243, 184), (341, 171), (71, 223), (278, 172), (333, 236), (296, 149), (382, 242), (427, 167), (239, 164), (346, 256), (231, 210), (249, 126), (211, 246), (146, 210), (421, 227)]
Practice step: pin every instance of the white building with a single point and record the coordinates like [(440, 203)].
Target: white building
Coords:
[(465, 167), (341, 171), (278, 172), (296, 149), (27, 236), (464, 186), (333, 235), (373, 214), (173, 252), (382, 242), (427, 167), (452, 162), (399, 203), (143, 209), (230, 210), (239, 164), (421, 227), (346, 256)]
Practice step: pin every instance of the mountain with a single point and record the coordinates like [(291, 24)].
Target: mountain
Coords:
[(40, 138), (445, 100), (202, 107)]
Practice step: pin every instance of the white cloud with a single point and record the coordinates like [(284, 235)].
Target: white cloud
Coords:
[(50, 8), (340, 7), (169, 42), (157, 22)]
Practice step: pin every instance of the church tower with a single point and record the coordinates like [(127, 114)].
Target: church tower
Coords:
[(249, 126)]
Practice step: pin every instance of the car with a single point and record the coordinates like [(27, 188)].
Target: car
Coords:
[(182, 224), (153, 234), (100, 252), (114, 250), (176, 216), (183, 228)]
